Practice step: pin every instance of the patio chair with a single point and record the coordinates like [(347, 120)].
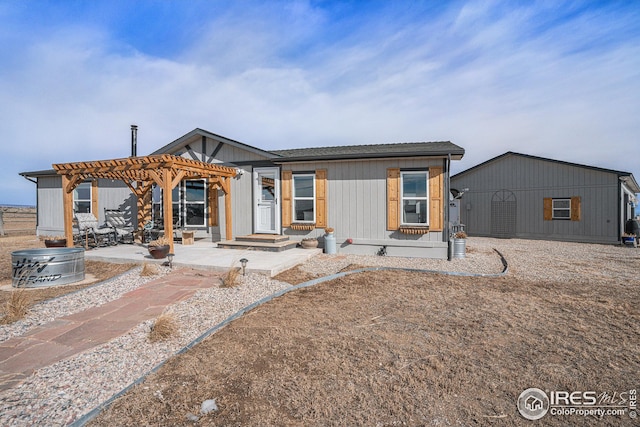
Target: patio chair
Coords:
[(115, 219), (88, 229)]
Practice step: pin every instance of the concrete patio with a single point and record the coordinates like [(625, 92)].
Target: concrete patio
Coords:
[(206, 255)]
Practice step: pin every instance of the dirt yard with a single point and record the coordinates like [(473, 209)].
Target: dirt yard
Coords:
[(405, 348), (95, 271)]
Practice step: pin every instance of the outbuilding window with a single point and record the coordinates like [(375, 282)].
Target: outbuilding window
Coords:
[(562, 208)]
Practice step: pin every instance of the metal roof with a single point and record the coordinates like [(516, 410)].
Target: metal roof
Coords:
[(406, 149), (628, 176)]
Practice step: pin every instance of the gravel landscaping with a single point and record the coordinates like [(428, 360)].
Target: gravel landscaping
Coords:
[(62, 393)]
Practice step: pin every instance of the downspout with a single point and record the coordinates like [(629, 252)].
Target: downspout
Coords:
[(447, 232), (620, 213)]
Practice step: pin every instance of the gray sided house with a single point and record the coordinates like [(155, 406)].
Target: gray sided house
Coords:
[(529, 197), (388, 197)]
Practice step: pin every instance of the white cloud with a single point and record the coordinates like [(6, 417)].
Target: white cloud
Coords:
[(488, 78)]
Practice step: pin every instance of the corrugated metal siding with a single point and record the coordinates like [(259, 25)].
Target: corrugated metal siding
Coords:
[(532, 180), (50, 209), (357, 197)]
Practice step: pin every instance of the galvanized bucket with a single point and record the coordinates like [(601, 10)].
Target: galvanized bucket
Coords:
[(459, 248), (34, 268)]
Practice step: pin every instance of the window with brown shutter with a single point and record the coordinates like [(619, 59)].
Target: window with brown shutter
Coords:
[(562, 208), (304, 200), (409, 198)]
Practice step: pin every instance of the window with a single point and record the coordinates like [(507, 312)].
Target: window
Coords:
[(561, 208), (194, 201), (304, 201), (565, 208), (82, 198), (188, 204), (415, 200)]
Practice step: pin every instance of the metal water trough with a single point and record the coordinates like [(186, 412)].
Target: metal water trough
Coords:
[(35, 268)]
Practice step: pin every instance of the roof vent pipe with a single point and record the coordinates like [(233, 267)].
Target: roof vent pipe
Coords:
[(134, 140)]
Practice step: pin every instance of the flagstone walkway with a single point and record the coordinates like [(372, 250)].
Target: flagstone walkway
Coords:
[(70, 335)]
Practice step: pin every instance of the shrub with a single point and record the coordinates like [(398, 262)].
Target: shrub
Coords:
[(16, 306), (149, 270), (163, 328), (230, 278)]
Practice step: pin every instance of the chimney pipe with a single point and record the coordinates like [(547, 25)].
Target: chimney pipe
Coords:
[(134, 140)]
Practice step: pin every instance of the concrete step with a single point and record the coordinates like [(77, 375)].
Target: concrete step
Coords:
[(262, 238), (258, 246)]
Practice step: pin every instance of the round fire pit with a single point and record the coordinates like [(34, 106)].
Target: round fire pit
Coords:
[(34, 268)]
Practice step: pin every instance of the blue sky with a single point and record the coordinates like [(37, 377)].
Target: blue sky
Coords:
[(557, 79)]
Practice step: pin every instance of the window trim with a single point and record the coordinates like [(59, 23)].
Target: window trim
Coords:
[(425, 198), (554, 209), (294, 198)]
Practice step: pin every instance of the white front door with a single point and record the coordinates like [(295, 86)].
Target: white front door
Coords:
[(266, 196)]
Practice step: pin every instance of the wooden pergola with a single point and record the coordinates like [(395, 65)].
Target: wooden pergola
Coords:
[(139, 174)]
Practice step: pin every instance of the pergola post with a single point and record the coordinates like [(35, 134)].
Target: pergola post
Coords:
[(168, 206), (67, 206)]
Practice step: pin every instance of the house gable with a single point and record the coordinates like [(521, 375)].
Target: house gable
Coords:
[(209, 147)]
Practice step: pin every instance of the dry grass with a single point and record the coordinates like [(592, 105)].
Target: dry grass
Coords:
[(401, 348), (231, 278), (164, 327), (16, 306), (149, 270)]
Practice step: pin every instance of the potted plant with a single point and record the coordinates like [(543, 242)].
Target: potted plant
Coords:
[(55, 241), (309, 243), (159, 248), (459, 244)]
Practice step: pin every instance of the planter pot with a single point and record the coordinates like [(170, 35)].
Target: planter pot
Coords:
[(459, 248), (309, 244), (159, 252), (56, 243)]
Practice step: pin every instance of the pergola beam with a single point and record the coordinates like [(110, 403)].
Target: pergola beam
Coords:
[(165, 170)]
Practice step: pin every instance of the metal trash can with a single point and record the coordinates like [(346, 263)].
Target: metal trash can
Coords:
[(459, 248), (330, 244)]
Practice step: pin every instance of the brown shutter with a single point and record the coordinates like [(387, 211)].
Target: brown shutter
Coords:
[(548, 208), (436, 207), (321, 198), (393, 199), (575, 208), (286, 198)]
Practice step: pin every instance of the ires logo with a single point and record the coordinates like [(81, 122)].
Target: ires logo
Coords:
[(576, 398), (534, 403)]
